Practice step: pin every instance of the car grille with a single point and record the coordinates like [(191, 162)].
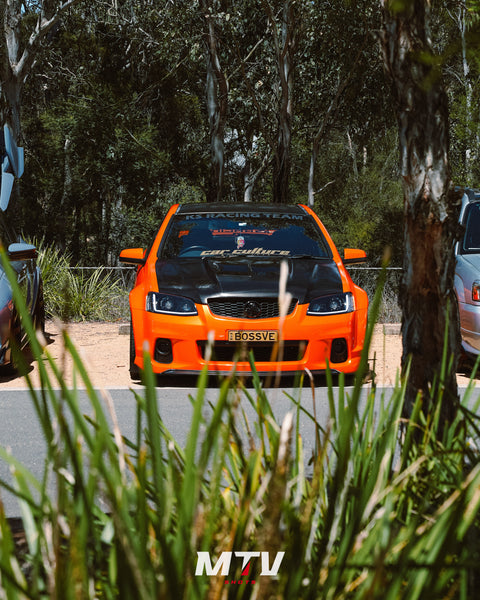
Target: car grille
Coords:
[(229, 351), (246, 308)]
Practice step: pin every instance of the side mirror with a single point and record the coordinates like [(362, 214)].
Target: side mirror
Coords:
[(12, 165), (21, 251), (353, 256), (133, 256)]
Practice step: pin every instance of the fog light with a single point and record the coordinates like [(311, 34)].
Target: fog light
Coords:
[(339, 350), (163, 351)]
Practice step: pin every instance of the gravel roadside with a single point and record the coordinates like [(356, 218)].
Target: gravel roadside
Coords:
[(104, 347)]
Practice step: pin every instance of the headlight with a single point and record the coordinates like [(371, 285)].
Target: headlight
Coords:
[(170, 305), (335, 304)]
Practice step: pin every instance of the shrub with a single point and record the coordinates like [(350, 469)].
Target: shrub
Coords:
[(73, 295), (367, 519), (389, 310)]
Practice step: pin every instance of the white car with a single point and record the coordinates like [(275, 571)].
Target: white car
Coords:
[(467, 273)]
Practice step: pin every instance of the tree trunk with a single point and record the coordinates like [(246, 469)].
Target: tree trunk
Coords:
[(18, 51), (470, 153), (430, 208), (11, 80), (250, 178), (217, 105), (285, 46)]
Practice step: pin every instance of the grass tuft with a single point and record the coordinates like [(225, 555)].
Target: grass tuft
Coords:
[(375, 513), (78, 295)]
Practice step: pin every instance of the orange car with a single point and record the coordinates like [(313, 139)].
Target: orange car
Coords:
[(222, 279)]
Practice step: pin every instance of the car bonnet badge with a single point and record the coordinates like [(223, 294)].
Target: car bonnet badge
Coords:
[(252, 310)]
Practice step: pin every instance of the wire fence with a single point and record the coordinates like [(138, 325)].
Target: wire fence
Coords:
[(125, 276), (365, 277)]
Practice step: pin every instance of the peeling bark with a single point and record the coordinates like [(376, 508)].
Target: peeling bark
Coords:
[(217, 105), (16, 61), (430, 206), (325, 124), (250, 178), (285, 47)]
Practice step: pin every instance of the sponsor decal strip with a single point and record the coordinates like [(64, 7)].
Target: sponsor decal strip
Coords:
[(252, 215)]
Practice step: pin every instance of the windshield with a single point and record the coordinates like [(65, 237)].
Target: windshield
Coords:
[(471, 239), (257, 236)]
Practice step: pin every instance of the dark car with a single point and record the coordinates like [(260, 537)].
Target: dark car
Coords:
[(22, 257)]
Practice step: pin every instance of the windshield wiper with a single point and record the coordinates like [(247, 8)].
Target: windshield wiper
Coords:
[(306, 256)]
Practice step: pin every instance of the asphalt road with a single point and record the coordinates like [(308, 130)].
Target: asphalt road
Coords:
[(21, 434)]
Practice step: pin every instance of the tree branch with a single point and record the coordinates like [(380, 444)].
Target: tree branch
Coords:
[(21, 68)]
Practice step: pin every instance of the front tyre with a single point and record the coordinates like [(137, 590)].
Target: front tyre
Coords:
[(9, 369), (134, 369), (39, 312)]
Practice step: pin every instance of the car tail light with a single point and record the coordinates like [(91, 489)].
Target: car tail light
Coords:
[(476, 291)]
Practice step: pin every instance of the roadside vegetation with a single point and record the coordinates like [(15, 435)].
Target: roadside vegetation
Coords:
[(78, 294), (382, 507), (101, 294)]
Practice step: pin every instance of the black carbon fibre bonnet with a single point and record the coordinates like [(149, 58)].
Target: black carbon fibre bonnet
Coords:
[(202, 279)]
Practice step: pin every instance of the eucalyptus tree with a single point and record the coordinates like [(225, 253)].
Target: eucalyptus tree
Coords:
[(249, 94), (459, 15), (26, 24), (216, 98), (284, 24), (266, 38), (342, 89), (249, 134), (114, 124), (458, 27), (429, 317)]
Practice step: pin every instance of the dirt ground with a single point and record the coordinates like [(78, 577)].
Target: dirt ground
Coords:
[(104, 348)]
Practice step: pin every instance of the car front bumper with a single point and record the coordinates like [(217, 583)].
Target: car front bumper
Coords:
[(470, 327), (178, 344)]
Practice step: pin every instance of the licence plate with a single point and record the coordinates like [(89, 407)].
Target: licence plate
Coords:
[(262, 335)]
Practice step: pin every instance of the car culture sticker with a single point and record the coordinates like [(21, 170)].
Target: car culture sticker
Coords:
[(245, 251)]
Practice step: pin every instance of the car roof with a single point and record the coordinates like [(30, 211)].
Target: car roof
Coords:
[(240, 207)]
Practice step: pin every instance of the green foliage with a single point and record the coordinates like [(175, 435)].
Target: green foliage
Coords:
[(364, 207), (364, 519), (111, 131), (136, 227), (54, 265), (115, 120), (91, 296), (76, 295)]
